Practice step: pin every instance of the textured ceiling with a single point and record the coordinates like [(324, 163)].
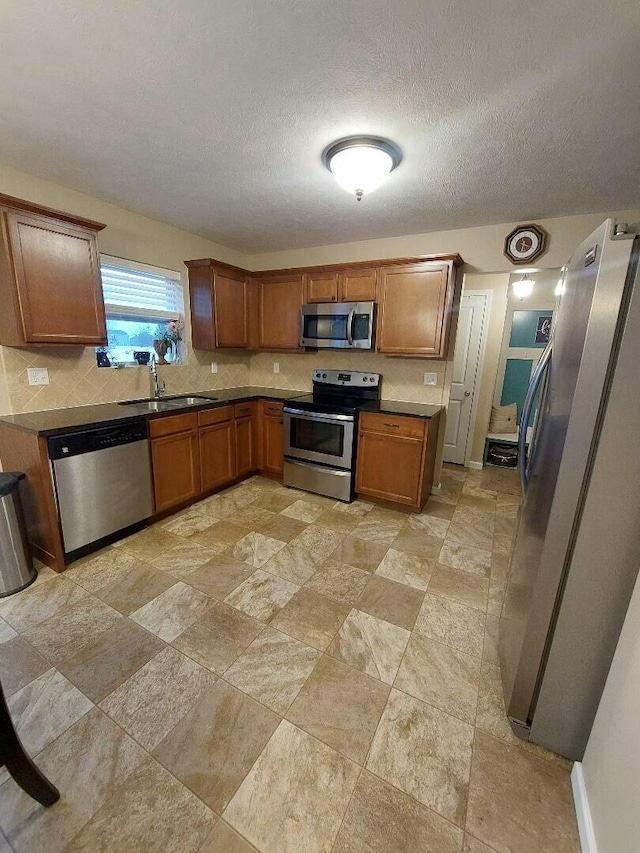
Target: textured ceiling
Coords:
[(212, 114)]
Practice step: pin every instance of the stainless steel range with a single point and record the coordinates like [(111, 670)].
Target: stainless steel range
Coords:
[(320, 432)]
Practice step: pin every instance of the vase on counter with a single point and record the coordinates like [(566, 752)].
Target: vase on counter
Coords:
[(160, 346)]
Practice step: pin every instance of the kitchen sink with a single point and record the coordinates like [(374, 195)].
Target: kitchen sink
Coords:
[(165, 404)]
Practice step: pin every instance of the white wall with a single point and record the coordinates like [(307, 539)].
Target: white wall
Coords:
[(480, 247), (611, 764), (75, 378)]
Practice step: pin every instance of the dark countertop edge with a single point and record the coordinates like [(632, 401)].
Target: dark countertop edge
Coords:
[(402, 407), (76, 418), (81, 417)]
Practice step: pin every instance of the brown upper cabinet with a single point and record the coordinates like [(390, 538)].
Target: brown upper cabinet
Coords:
[(50, 275), (358, 285), (415, 307), (416, 300), (322, 287), (219, 299), (352, 285), (280, 299)]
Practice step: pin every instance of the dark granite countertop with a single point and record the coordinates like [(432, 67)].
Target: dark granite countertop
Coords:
[(55, 421), (399, 407)]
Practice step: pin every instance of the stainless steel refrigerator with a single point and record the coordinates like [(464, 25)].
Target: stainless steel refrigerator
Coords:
[(577, 546)]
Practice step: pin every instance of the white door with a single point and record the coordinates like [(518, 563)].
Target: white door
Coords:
[(465, 377)]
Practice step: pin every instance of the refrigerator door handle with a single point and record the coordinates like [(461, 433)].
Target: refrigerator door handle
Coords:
[(536, 379)]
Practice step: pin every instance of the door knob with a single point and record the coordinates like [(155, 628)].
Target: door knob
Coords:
[(467, 393)]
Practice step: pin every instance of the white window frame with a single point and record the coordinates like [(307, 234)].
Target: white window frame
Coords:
[(132, 312)]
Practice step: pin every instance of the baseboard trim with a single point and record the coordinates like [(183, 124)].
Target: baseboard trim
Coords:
[(475, 466), (435, 490), (583, 813)]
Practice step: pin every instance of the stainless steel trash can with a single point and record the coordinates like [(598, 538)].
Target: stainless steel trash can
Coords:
[(16, 566)]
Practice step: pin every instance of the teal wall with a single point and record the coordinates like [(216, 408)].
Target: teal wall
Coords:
[(517, 374), (523, 329)]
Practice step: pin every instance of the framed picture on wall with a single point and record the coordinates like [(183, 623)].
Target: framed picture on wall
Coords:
[(543, 328)]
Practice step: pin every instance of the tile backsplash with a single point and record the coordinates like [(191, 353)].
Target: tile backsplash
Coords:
[(75, 379), (402, 377)]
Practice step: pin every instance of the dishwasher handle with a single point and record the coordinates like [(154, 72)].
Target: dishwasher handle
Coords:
[(97, 438)]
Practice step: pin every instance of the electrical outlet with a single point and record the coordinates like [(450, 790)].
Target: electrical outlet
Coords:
[(276, 367), (431, 379), (214, 366), (38, 375)]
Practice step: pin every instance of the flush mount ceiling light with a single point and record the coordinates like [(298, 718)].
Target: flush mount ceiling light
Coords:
[(361, 163), (523, 287)]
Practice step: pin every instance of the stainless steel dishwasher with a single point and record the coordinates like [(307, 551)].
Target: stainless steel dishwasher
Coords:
[(102, 479)]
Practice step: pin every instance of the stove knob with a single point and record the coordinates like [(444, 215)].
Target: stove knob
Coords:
[(324, 375)]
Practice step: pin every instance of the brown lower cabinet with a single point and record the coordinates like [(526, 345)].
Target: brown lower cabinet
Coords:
[(396, 458), (217, 447), (217, 455), (246, 439), (196, 453), (175, 460), (272, 437)]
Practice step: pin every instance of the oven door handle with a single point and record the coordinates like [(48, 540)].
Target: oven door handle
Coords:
[(312, 416)]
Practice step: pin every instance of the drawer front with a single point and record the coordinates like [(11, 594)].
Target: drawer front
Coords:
[(215, 416), (273, 409), (243, 410), (392, 424), (172, 424)]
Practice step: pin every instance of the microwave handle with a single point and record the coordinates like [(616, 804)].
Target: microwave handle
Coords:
[(350, 327)]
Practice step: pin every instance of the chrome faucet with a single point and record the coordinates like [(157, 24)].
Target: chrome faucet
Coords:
[(158, 388)]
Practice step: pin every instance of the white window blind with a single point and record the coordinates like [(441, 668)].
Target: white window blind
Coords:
[(131, 289)]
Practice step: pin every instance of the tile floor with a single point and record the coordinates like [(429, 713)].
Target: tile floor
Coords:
[(273, 671)]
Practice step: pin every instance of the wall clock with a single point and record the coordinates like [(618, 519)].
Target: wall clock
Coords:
[(525, 243)]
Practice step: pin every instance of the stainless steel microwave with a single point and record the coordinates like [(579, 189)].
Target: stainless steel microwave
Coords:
[(338, 325)]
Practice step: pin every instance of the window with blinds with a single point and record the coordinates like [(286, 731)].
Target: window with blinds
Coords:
[(139, 302)]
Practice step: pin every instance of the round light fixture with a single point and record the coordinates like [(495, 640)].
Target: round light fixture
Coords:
[(361, 163), (524, 287)]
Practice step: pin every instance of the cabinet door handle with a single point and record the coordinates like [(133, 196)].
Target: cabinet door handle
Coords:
[(393, 426)]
